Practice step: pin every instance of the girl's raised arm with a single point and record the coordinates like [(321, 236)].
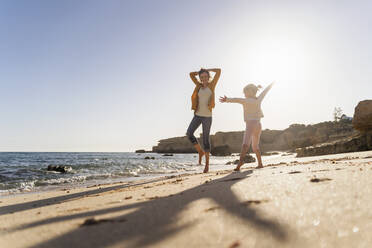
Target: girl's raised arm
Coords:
[(233, 100), (263, 93)]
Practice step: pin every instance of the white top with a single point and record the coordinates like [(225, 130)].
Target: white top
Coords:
[(204, 95), (251, 106)]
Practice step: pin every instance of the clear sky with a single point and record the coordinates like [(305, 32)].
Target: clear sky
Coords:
[(113, 75)]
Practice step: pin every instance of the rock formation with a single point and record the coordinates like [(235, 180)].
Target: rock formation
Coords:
[(295, 136), (359, 141), (352, 144), (362, 120), (223, 150), (174, 145), (247, 159)]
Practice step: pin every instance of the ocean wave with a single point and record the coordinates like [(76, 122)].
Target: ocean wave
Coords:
[(29, 171), (57, 181)]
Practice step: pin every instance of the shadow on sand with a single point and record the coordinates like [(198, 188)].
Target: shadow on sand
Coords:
[(147, 223), (60, 199)]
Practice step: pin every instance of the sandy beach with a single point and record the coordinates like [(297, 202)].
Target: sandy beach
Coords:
[(318, 202), (112, 110)]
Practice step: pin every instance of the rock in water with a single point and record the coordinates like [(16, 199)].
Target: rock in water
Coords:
[(59, 168), (168, 155), (140, 151), (221, 151), (362, 120), (248, 159), (147, 157)]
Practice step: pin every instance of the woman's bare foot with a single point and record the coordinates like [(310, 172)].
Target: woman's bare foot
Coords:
[(206, 169), (201, 154)]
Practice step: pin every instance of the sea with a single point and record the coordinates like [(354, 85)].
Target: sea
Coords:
[(27, 171)]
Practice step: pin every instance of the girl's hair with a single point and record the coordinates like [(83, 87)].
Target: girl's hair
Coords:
[(251, 89), (202, 70)]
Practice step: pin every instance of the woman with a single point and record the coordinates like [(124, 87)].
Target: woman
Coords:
[(203, 102), (252, 117)]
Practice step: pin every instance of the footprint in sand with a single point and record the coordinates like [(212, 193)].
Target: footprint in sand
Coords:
[(294, 172), (211, 209), (93, 221), (114, 202), (317, 180), (235, 244), (254, 202)]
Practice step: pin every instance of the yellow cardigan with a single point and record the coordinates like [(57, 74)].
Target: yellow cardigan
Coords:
[(195, 98)]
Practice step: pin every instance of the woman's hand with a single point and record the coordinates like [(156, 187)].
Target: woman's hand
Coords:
[(223, 99), (215, 70)]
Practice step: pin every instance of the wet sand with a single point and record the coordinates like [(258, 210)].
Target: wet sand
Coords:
[(318, 202)]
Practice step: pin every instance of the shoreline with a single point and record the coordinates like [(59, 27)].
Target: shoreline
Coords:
[(271, 160)]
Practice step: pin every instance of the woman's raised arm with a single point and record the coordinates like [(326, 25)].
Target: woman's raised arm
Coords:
[(193, 77), (216, 77)]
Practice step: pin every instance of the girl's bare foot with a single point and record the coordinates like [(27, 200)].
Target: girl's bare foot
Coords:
[(206, 169), (237, 168), (259, 166), (201, 154)]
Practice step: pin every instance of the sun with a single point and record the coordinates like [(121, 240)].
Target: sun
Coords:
[(279, 58)]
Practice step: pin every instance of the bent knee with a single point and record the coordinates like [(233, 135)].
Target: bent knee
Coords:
[(245, 146)]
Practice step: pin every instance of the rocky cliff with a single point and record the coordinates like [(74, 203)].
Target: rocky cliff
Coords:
[(361, 140), (362, 120), (295, 136)]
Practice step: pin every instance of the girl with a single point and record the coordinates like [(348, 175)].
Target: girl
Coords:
[(252, 116), (203, 102)]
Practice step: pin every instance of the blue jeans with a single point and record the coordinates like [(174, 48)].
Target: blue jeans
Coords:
[(206, 124)]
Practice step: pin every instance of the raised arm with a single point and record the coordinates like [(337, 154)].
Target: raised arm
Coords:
[(216, 77), (264, 92), (235, 100), (193, 77)]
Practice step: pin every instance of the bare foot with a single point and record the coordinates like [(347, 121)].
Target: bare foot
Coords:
[(259, 166), (206, 169), (237, 168), (201, 154)]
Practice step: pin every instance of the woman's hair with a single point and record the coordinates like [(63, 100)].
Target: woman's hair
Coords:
[(251, 89), (202, 70)]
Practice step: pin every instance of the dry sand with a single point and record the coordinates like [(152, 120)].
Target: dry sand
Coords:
[(319, 202)]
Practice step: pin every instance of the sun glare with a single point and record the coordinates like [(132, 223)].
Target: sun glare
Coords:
[(280, 59), (267, 58)]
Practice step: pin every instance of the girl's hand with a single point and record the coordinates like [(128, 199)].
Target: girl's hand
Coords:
[(223, 99)]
